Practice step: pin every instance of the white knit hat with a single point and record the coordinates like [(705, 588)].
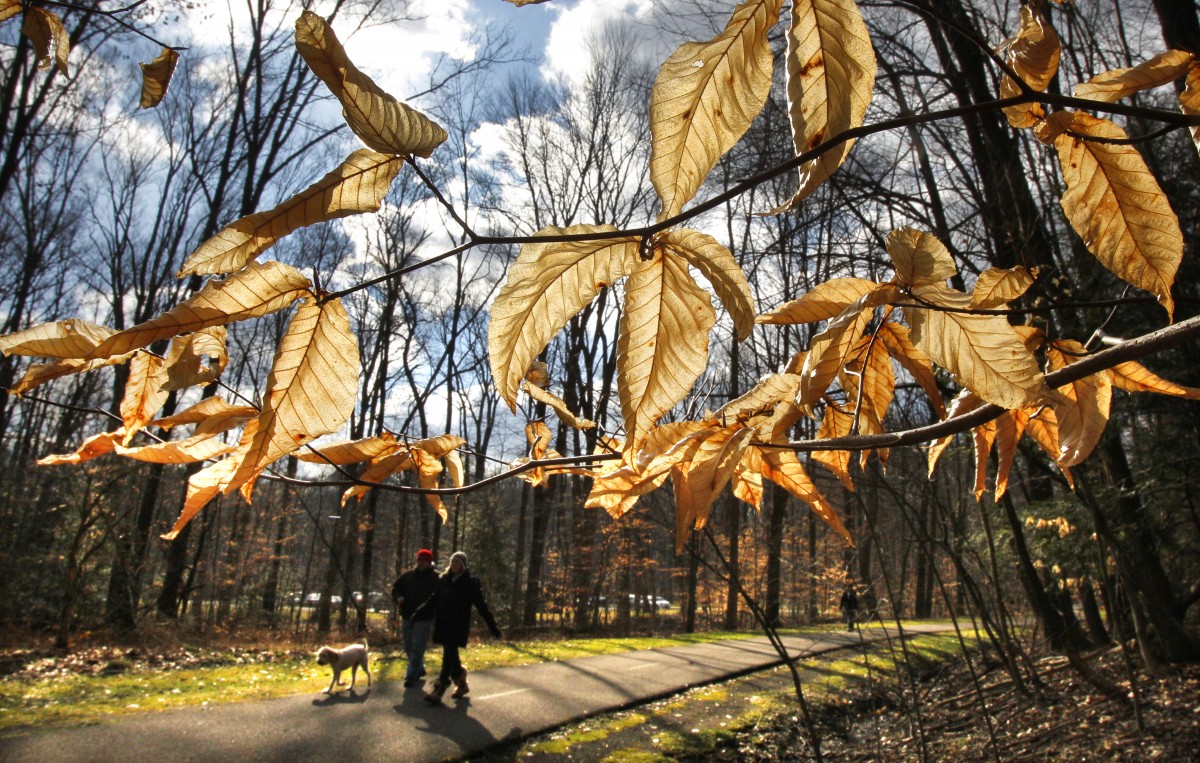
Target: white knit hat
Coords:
[(460, 556)]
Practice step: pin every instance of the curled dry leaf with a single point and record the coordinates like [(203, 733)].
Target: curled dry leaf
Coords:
[(704, 99), (71, 338), (830, 79), (212, 415), (717, 264), (1042, 428), (429, 472), (380, 469), (1112, 86), (558, 406), (538, 374), (1132, 376), (1082, 407), (836, 422), (211, 481), (965, 402), (618, 490), (454, 468), (311, 388), (982, 352), (185, 360), (784, 469), (896, 340), (663, 345), (919, 257), (378, 119), (10, 8), (351, 451), (830, 351), (699, 480), (748, 485), (997, 286), (1009, 429), (1035, 52), (545, 288), (826, 301), (40, 373), (185, 451), (96, 445), (358, 185), (983, 436), (156, 78), (50, 39), (260, 289), (1189, 99), (769, 392), (144, 393), (1117, 207)]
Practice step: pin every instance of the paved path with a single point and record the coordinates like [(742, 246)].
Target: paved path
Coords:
[(391, 723)]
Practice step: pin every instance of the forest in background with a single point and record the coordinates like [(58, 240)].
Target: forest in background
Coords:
[(102, 204)]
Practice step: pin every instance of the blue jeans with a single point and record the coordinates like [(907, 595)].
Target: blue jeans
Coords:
[(416, 639)]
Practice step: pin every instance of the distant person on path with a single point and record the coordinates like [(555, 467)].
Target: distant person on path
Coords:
[(412, 589), (849, 605), (457, 591)]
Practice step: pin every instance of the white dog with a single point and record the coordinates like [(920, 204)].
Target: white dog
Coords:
[(347, 658)]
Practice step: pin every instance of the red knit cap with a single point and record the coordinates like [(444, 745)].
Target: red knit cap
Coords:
[(425, 554)]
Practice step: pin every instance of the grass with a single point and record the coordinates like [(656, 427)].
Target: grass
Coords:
[(73, 699)]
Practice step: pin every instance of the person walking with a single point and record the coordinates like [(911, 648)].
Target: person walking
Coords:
[(411, 590), (849, 605), (456, 592)]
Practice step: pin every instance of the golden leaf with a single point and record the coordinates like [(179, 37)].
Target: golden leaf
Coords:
[(982, 352), (919, 257), (896, 340), (1112, 86), (1034, 53), (1023, 115), (1189, 99), (1115, 204), (717, 264), (1009, 429), (766, 394), (9, 8), (872, 366), (358, 185), (50, 40), (704, 99), (454, 468), (40, 373), (538, 374), (826, 301), (429, 471), (260, 289), (784, 469), (523, 3), (699, 480), (965, 402), (185, 451), (380, 469), (185, 359), (997, 286), (1042, 428), (211, 481), (617, 491), (212, 415), (311, 388), (546, 287), (539, 437), (748, 485), (351, 451), (983, 436), (668, 444), (378, 119), (831, 77), (830, 351), (663, 345), (96, 445), (558, 406), (1132, 376), (1082, 410), (72, 338), (440, 445), (156, 78), (836, 422), (144, 393)]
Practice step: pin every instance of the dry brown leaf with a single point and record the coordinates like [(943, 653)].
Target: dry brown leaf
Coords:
[(558, 406), (617, 491), (311, 388), (1042, 428), (186, 358), (523, 3), (380, 469), (1034, 53), (836, 422), (1024, 115), (667, 445), (1110, 87), (378, 119), (896, 340), (982, 352), (663, 345), (156, 78), (10, 8), (429, 472), (965, 402), (873, 365), (186, 451), (212, 415), (830, 351), (144, 393), (359, 184), (348, 452), (1132, 376), (96, 445), (40, 373), (919, 257), (1009, 429), (717, 264), (454, 468), (699, 480), (546, 287), (538, 374), (997, 286), (704, 99), (748, 485), (50, 40), (211, 481), (72, 338), (831, 77), (1189, 99), (260, 289), (440, 445), (769, 392), (826, 301), (1083, 407), (784, 469), (539, 436), (983, 436), (1117, 207)]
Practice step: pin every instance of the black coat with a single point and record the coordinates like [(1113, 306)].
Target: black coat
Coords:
[(416, 586), (451, 606)]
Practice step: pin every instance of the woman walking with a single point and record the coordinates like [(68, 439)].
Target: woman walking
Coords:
[(456, 592)]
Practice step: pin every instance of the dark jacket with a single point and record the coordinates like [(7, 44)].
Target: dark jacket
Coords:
[(849, 601), (416, 586), (451, 607)]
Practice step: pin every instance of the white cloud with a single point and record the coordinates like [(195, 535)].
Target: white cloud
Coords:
[(566, 48)]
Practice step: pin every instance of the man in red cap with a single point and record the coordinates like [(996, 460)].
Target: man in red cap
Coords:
[(411, 590)]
